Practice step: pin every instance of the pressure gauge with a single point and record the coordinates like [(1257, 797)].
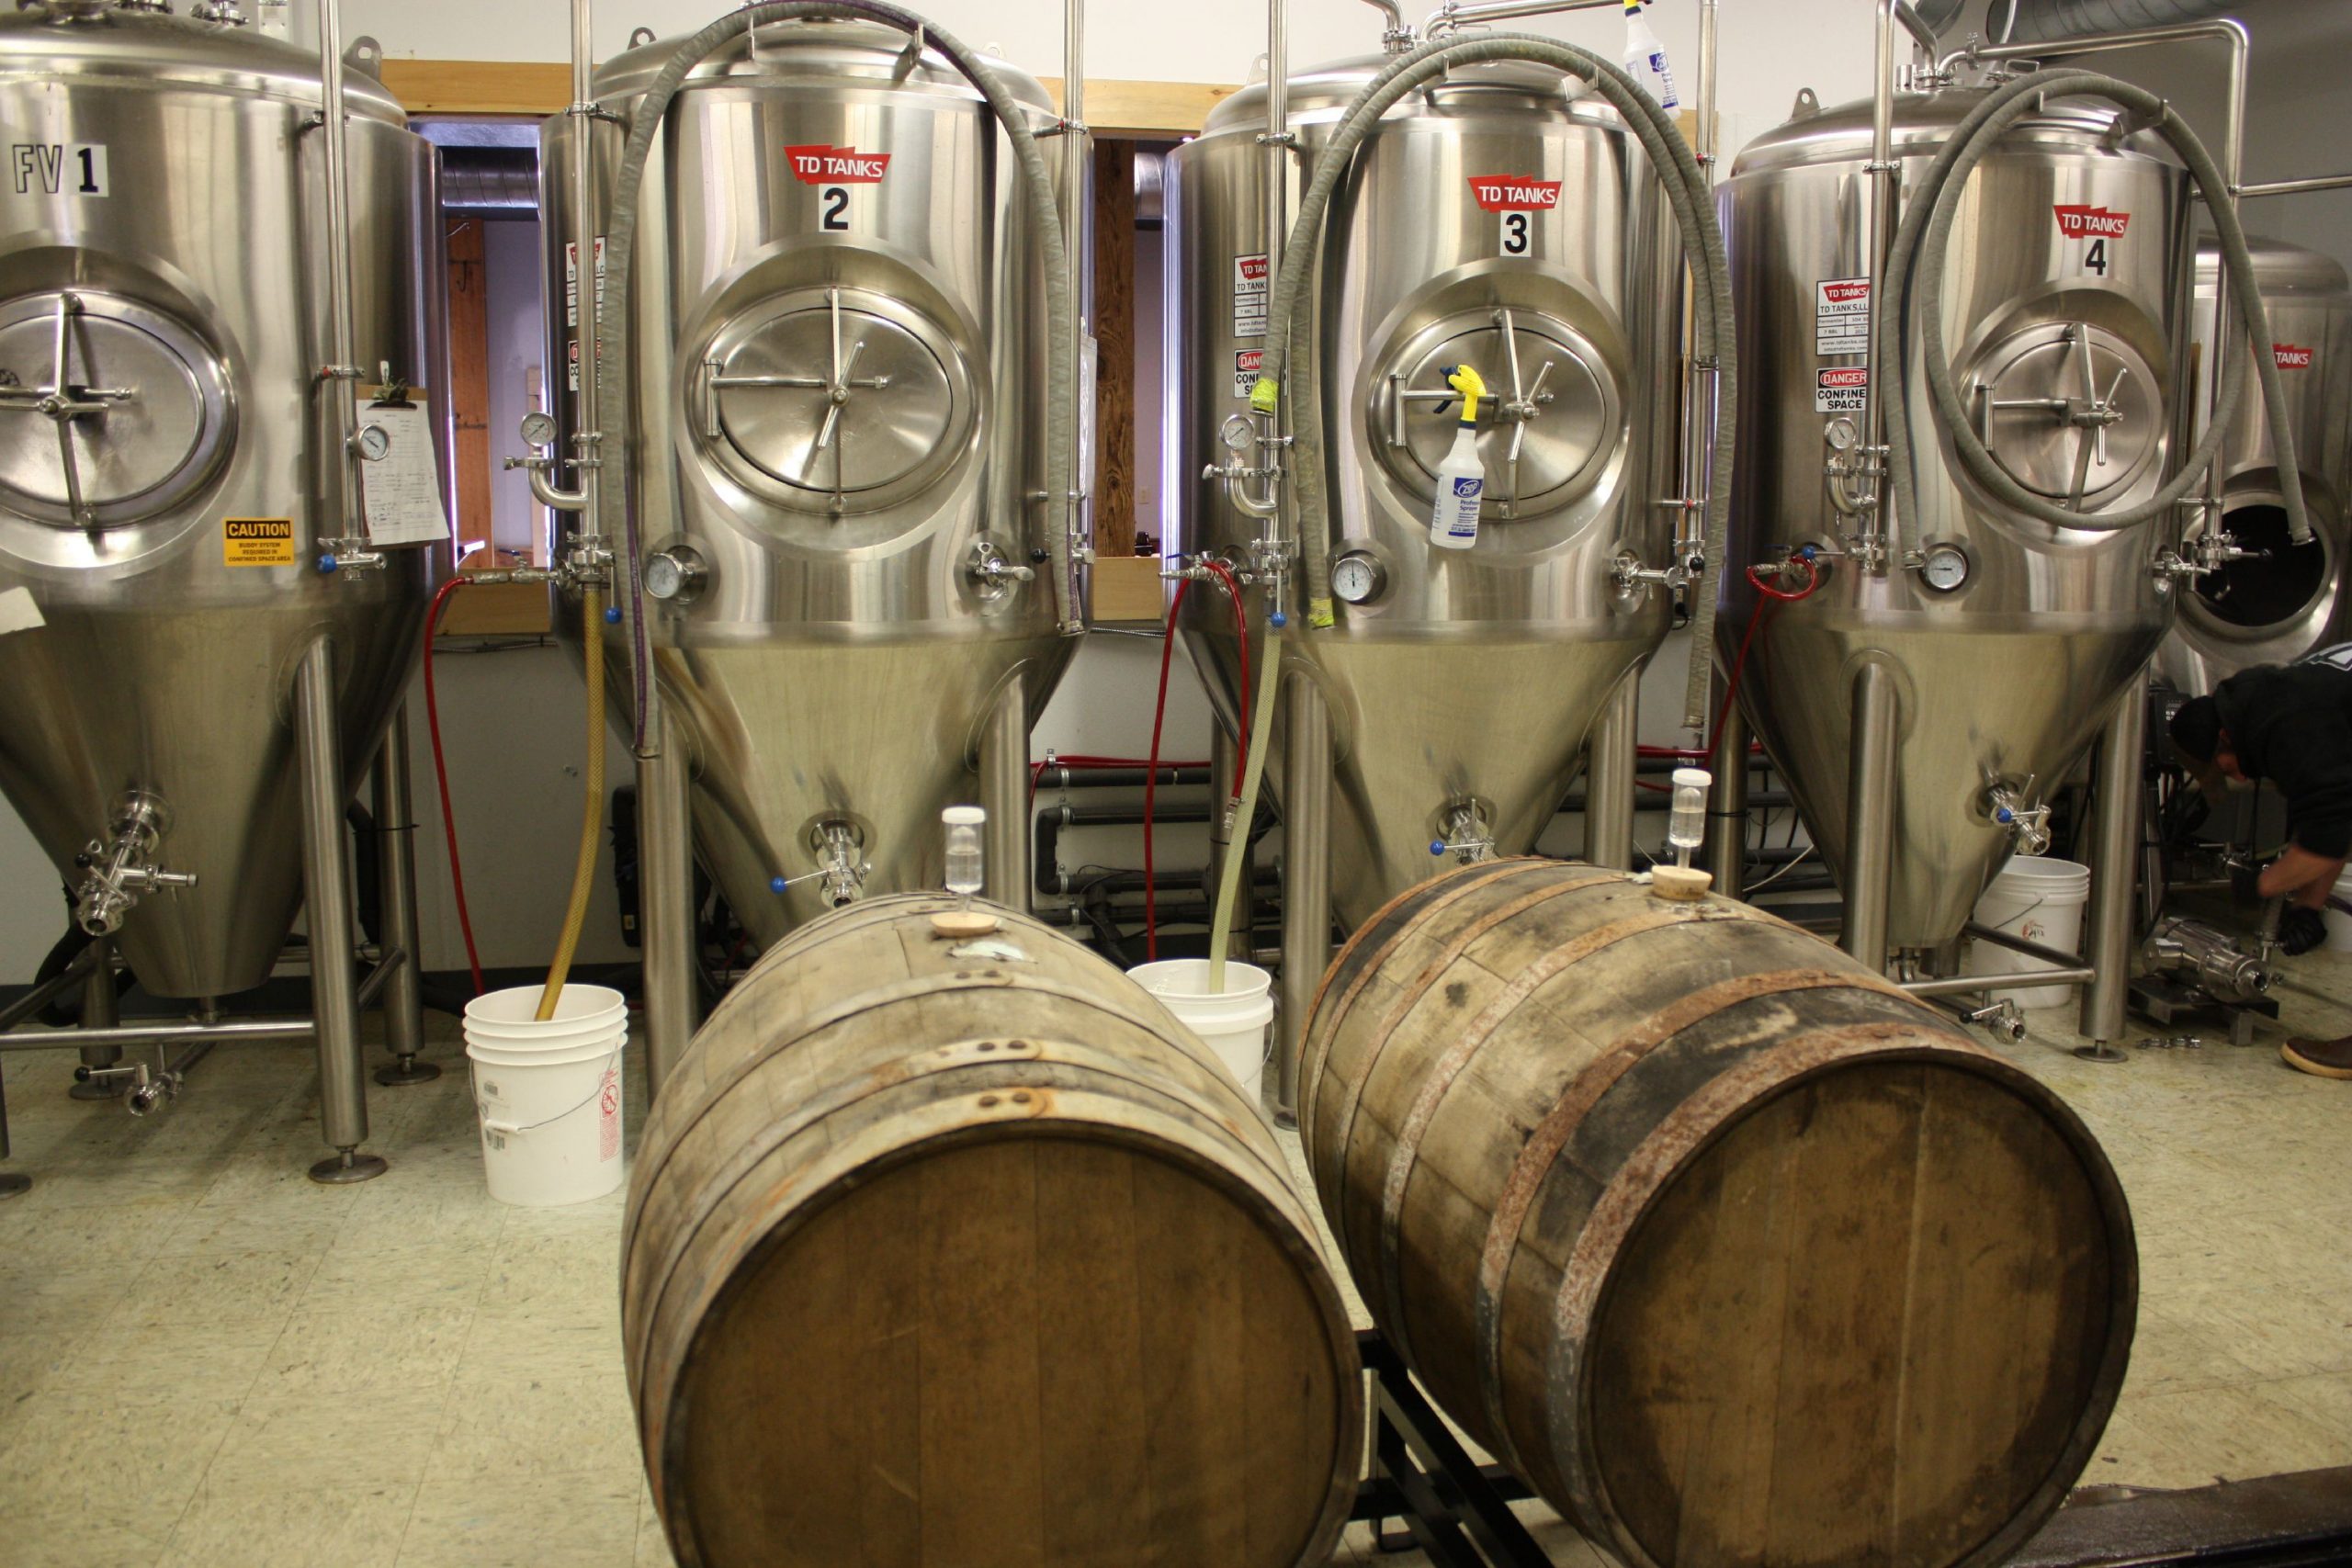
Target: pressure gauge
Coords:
[(538, 429), (1237, 433), (374, 442), (1357, 577), (1944, 568)]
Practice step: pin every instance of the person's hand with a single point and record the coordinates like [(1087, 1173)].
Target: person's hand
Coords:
[(2300, 931), (2245, 882)]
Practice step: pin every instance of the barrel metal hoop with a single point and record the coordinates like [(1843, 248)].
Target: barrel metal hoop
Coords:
[(1685, 1131), (1411, 995), (653, 1152), (1465, 882), (1543, 1146), (1655, 915)]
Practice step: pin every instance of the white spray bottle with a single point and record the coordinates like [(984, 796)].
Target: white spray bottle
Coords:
[(1461, 479), (1645, 57)]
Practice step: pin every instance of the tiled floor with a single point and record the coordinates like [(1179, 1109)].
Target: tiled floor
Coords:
[(207, 1359)]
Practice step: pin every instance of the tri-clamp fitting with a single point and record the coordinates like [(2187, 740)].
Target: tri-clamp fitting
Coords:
[(1465, 833), (1635, 581), (118, 872), (841, 862), (2005, 804)]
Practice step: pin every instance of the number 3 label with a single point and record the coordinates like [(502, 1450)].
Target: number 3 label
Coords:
[(832, 209), (1517, 240)]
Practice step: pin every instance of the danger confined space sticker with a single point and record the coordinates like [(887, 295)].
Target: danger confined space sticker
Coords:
[(257, 541)]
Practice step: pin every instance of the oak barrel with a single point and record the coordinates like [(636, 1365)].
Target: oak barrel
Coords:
[(1735, 1252), (962, 1252)]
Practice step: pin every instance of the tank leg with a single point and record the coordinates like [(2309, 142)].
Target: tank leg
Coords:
[(13, 1183), (334, 1002), (396, 875), (101, 1008), (665, 891), (1869, 815), (1004, 792), (2115, 865), (1223, 835), (1307, 876), (1727, 808), (1611, 758)]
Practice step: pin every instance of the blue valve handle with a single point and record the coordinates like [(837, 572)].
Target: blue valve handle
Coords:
[(1437, 846)]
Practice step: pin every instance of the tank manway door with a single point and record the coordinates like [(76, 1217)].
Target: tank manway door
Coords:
[(835, 401), (109, 412), (2070, 410), (1552, 419)]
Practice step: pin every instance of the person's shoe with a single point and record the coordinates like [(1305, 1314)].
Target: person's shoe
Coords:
[(2321, 1058)]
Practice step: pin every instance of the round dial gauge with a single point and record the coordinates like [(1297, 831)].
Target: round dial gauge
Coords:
[(375, 443), (1357, 577), (1944, 568), (663, 578), (538, 429)]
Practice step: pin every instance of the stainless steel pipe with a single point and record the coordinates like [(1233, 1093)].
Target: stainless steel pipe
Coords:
[(1611, 758), (249, 1032), (396, 879), (77, 972), (1959, 985), (2294, 187), (338, 386), (100, 1010), (2115, 870), (1307, 873), (665, 915), (1870, 814), (1727, 807), (1004, 792), (342, 1093)]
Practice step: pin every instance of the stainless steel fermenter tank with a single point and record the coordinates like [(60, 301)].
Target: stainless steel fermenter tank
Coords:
[(2281, 599), (2005, 643), (841, 382), (1492, 220), (171, 470)]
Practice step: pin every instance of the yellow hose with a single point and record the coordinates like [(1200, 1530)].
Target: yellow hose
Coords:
[(591, 819)]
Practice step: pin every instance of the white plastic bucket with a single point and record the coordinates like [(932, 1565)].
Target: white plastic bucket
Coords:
[(2040, 900), (548, 1095), (2339, 924), (1234, 1023)]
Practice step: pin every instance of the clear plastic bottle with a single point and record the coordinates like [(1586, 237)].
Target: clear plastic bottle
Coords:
[(1461, 478), (966, 865), (1645, 57), (1686, 829)]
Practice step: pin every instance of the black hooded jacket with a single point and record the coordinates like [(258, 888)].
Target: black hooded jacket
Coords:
[(2293, 725)]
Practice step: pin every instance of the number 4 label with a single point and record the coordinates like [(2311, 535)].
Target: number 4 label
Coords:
[(832, 209), (49, 168)]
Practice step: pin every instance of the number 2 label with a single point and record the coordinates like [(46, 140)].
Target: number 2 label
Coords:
[(1517, 238), (832, 209)]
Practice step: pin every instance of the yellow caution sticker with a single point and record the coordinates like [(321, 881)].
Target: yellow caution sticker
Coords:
[(257, 541)]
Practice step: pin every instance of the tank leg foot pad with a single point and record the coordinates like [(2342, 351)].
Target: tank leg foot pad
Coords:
[(107, 1090), (350, 1166), (406, 1071), (2100, 1052), (13, 1185)]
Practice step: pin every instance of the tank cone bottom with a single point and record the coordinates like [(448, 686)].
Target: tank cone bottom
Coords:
[(2100, 1051), (13, 1185), (347, 1166), (407, 1070)]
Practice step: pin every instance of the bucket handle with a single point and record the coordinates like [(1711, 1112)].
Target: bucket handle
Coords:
[(508, 1129)]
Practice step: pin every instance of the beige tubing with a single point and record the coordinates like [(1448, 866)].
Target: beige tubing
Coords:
[(592, 816)]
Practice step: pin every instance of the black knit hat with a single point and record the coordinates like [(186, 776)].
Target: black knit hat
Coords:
[(2197, 729)]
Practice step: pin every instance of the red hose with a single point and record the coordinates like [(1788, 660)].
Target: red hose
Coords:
[(441, 778), (1773, 596), (1151, 779)]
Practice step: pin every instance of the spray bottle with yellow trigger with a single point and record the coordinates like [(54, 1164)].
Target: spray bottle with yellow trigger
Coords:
[(1461, 479), (1645, 57)]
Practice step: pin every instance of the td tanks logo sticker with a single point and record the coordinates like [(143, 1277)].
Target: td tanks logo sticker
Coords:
[(1510, 193), (820, 165), (2290, 356), (2096, 224)]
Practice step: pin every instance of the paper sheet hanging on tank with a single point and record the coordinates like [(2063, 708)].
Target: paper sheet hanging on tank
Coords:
[(402, 488)]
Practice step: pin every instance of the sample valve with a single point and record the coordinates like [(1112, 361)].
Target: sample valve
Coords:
[(118, 873), (1467, 835), (2005, 803)]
